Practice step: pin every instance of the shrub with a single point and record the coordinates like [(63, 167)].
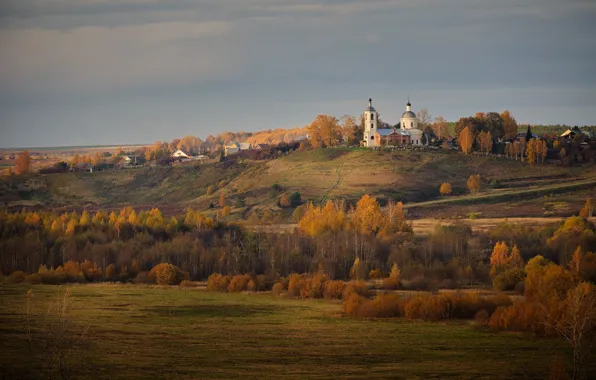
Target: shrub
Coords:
[(352, 303), (167, 274), (239, 283), (356, 287), (277, 289), (294, 285), (509, 279), (317, 285), (334, 289), (375, 274), (218, 283)]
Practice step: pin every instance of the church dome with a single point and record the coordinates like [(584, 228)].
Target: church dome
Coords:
[(408, 115)]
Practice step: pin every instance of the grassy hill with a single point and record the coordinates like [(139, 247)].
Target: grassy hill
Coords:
[(509, 188)]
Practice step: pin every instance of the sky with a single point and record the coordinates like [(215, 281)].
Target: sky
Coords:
[(87, 72)]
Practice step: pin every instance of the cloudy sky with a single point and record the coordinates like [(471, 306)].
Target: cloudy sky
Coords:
[(80, 72)]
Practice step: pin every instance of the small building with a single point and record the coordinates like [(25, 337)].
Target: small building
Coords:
[(392, 137), (180, 154), (232, 148), (261, 146), (245, 146), (83, 167)]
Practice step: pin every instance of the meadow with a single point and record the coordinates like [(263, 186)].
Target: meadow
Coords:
[(145, 332)]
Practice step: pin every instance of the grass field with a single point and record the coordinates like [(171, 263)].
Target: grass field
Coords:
[(166, 333)]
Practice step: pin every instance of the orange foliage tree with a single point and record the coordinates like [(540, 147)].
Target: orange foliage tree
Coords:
[(445, 188), (23, 162)]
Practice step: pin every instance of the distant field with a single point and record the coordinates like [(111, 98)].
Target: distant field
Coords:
[(509, 188), (151, 332)]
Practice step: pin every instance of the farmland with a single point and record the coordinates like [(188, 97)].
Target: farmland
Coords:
[(174, 332)]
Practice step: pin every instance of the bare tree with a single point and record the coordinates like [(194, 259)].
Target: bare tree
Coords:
[(577, 325), (58, 337), (423, 119)]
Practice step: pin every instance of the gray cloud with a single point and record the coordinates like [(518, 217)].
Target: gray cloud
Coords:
[(162, 69)]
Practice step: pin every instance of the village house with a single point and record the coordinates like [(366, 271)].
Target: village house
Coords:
[(180, 154), (235, 147)]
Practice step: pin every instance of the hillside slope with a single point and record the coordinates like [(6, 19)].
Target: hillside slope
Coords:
[(509, 188)]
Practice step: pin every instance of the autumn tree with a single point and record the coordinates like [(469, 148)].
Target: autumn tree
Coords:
[(284, 201), (485, 140), (75, 160), (445, 188), (96, 160), (439, 127), (531, 152), (324, 130), (466, 140), (509, 125), (474, 183), (493, 123), (23, 162), (499, 258), (588, 209)]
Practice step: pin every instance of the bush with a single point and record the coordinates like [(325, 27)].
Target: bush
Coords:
[(239, 283), (334, 290), (356, 287), (277, 289), (375, 274), (167, 274), (509, 279), (218, 283)]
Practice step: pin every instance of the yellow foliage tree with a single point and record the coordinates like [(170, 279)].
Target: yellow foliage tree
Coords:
[(367, 218), (466, 140), (474, 183), (499, 258), (587, 210), (445, 188)]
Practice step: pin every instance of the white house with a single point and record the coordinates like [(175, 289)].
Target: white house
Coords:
[(179, 154), (232, 148)]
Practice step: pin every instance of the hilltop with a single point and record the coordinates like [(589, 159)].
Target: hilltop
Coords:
[(509, 188)]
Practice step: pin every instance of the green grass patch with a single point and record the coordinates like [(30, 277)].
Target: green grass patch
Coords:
[(161, 332)]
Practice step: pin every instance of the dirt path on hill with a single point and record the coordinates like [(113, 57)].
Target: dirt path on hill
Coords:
[(336, 185)]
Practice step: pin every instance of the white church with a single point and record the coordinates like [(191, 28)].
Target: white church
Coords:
[(407, 134)]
